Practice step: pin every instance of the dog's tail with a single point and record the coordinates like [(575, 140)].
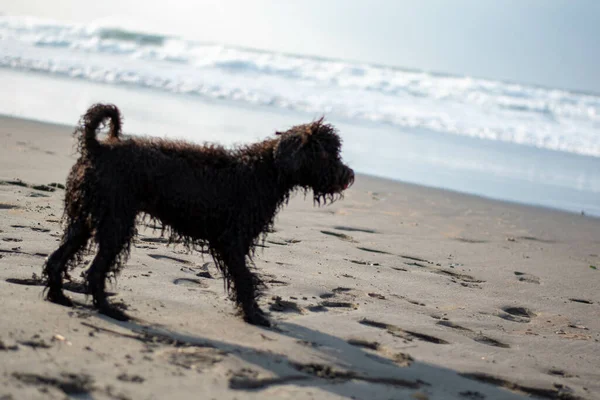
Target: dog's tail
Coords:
[(92, 119)]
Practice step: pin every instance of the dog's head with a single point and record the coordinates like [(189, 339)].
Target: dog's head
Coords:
[(309, 156)]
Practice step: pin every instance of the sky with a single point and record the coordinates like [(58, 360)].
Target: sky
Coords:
[(553, 43)]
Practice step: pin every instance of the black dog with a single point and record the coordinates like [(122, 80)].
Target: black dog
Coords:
[(225, 200)]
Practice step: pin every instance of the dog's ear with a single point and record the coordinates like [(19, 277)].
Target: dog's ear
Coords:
[(288, 153)]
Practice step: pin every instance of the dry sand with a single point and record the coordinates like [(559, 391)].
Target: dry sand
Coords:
[(396, 292)]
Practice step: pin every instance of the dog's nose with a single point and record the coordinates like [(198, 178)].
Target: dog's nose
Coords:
[(350, 180)]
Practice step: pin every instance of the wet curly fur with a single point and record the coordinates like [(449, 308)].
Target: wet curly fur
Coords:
[(208, 196)]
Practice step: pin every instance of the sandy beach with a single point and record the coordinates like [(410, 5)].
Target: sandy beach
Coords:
[(395, 292)]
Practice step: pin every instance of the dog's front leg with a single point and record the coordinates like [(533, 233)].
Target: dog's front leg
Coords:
[(245, 284)]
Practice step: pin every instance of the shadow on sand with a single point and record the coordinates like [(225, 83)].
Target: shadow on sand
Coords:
[(347, 371)]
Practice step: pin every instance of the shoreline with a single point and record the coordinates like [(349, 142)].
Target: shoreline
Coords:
[(494, 169), (16, 120)]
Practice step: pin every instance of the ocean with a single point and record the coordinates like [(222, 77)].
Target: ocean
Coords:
[(507, 141)]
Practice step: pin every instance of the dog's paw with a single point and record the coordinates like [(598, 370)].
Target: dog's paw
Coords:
[(114, 313), (58, 297), (257, 317)]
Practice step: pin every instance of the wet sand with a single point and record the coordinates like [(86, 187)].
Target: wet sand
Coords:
[(397, 291)]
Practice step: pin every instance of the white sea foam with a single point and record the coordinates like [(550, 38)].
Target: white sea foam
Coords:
[(546, 118)]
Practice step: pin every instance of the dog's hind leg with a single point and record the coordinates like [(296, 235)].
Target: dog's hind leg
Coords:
[(114, 237), (74, 241), (245, 284)]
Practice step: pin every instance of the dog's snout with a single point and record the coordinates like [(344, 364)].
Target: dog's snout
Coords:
[(349, 178)]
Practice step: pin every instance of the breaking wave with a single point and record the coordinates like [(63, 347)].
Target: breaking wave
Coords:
[(522, 114)]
